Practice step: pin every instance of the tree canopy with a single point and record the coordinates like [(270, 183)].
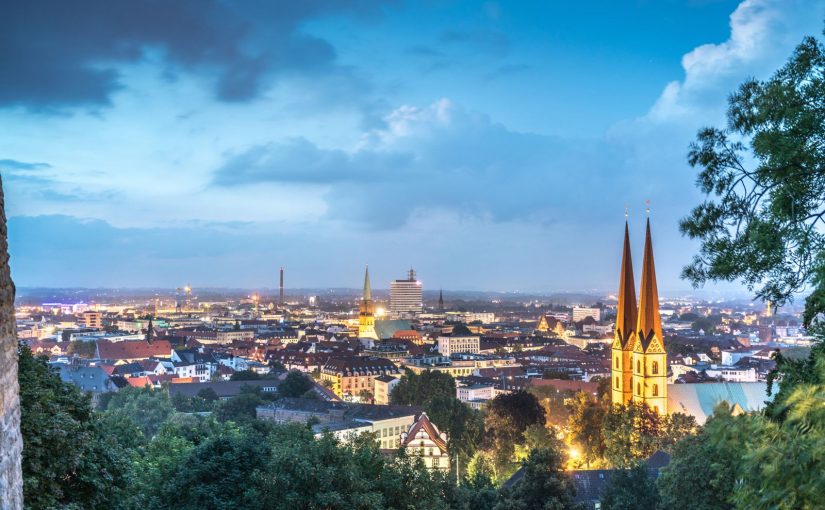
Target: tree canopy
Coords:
[(764, 176)]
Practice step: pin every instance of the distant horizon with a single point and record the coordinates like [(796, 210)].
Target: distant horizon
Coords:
[(273, 291)]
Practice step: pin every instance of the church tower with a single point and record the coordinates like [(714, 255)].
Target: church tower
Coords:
[(625, 334), (649, 356), (366, 312)]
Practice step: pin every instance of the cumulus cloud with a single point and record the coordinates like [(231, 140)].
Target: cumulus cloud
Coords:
[(62, 54), (438, 157), (762, 35)]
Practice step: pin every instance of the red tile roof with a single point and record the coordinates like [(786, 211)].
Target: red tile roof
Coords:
[(133, 349)]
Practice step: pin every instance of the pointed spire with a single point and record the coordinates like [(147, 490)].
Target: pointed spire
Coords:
[(650, 323), (626, 312), (367, 290), (441, 299)]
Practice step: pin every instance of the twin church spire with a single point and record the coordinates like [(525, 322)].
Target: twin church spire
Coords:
[(639, 361)]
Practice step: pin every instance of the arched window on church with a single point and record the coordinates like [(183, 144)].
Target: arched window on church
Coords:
[(655, 390), (639, 366), (655, 367), (617, 362), (638, 388), (617, 383)]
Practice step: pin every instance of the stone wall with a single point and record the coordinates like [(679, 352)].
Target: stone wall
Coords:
[(11, 443)]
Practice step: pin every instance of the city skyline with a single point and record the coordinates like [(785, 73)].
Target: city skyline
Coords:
[(496, 149)]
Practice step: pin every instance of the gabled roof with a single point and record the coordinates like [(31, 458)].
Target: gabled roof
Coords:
[(424, 424)]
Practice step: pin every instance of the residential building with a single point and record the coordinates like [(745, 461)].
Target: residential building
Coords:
[(344, 419), (92, 319), (460, 340), (351, 376), (733, 373), (384, 385), (424, 440), (580, 313)]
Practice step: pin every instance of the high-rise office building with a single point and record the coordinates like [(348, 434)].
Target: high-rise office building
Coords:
[(406, 296)]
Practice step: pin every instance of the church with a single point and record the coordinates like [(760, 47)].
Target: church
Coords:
[(639, 359)]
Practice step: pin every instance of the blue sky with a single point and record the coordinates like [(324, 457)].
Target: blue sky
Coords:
[(491, 145)]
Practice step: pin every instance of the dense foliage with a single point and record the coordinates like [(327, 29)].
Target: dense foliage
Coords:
[(631, 489), (764, 225), (435, 392), (765, 179), (69, 459)]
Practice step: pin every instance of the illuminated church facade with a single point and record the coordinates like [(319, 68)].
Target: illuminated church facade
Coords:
[(638, 356), (366, 311)]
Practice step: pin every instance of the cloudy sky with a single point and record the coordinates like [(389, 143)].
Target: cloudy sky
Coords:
[(491, 145)]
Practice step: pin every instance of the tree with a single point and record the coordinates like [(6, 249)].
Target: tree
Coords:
[(792, 373), (508, 416), (703, 466), (630, 489), (464, 426), (68, 459), (632, 433), (544, 486), (762, 221), (419, 389), (216, 473), (294, 385), (240, 408), (585, 427), (81, 349), (245, 375), (147, 408)]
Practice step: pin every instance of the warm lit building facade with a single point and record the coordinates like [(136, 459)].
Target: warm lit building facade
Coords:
[(644, 347), (350, 377), (366, 311), (92, 319), (459, 341)]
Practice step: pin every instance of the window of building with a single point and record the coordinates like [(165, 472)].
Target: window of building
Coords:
[(639, 366), (617, 362), (638, 388), (617, 383), (655, 390), (655, 367)]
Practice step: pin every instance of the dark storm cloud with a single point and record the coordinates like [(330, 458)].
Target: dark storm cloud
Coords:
[(56, 54)]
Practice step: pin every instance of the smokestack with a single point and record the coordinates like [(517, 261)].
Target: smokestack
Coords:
[(282, 285)]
